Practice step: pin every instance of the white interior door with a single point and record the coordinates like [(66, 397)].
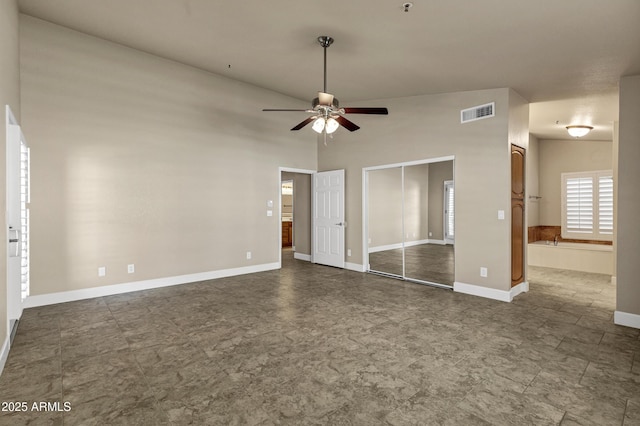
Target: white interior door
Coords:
[(328, 218), (17, 222)]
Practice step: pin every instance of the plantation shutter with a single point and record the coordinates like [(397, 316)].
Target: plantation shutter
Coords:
[(605, 204), (579, 204), (587, 208)]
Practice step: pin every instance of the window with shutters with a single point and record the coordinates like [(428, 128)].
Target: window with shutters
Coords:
[(449, 211), (587, 205)]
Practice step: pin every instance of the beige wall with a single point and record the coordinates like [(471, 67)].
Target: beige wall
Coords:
[(416, 202), (136, 159), (301, 211), (385, 207), (423, 127), (562, 156), (438, 173), (9, 95), (532, 182), (628, 236)]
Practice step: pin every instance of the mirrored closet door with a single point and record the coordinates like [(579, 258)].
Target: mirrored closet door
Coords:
[(385, 221), (410, 211)]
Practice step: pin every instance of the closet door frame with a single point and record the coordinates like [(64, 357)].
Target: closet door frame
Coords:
[(365, 212)]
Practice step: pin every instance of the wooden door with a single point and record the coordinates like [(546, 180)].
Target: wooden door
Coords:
[(517, 214)]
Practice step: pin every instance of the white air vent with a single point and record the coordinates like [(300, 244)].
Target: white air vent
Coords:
[(477, 112)]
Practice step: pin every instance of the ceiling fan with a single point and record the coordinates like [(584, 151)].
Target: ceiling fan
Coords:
[(327, 113)]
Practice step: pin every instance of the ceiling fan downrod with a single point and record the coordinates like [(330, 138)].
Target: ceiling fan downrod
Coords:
[(325, 41)]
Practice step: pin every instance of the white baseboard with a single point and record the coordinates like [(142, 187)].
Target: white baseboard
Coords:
[(4, 353), (354, 267), (626, 319), (302, 256), (385, 247), (523, 287), (406, 244), (439, 242), (108, 290), (491, 293)]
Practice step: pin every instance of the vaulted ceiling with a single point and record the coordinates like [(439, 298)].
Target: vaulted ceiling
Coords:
[(565, 57)]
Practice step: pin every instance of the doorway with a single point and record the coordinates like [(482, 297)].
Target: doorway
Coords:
[(295, 213), (409, 221), (286, 212), (17, 221)]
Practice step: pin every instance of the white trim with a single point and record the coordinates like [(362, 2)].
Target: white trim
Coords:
[(108, 290), (491, 293), (626, 319), (294, 170), (10, 118), (365, 220), (279, 216), (4, 353), (523, 287), (385, 247), (439, 242), (412, 163), (302, 256), (354, 267), (406, 244)]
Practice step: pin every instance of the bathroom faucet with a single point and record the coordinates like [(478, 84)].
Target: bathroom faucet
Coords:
[(555, 240)]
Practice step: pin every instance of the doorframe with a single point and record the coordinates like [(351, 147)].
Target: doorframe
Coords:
[(365, 206), (15, 148), (279, 215)]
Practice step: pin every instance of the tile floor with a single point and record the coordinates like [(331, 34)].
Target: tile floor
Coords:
[(314, 345)]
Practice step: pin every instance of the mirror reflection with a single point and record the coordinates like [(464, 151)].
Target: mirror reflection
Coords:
[(385, 221), (411, 227)]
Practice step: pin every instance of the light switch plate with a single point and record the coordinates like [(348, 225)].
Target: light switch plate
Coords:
[(501, 214), (269, 212), (269, 203)]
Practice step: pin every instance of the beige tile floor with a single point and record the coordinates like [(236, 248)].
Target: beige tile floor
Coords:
[(314, 345)]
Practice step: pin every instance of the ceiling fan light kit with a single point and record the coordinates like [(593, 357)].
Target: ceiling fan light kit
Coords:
[(327, 114)]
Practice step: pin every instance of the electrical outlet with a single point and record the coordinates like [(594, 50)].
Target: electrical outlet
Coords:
[(131, 268), (248, 255), (349, 252), (102, 271), (483, 272), (431, 234)]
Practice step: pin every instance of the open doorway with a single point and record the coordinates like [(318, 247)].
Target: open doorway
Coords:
[(294, 225)]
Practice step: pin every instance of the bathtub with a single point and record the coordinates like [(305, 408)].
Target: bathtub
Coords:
[(596, 258)]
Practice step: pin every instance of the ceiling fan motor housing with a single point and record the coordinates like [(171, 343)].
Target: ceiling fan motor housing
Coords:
[(316, 101)]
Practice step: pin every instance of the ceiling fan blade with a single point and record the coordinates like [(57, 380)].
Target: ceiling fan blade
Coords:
[(380, 111), (304, 123), (301, 110), (325, 98), (351, 126)]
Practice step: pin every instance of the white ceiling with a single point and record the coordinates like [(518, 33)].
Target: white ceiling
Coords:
[(566, 57)]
